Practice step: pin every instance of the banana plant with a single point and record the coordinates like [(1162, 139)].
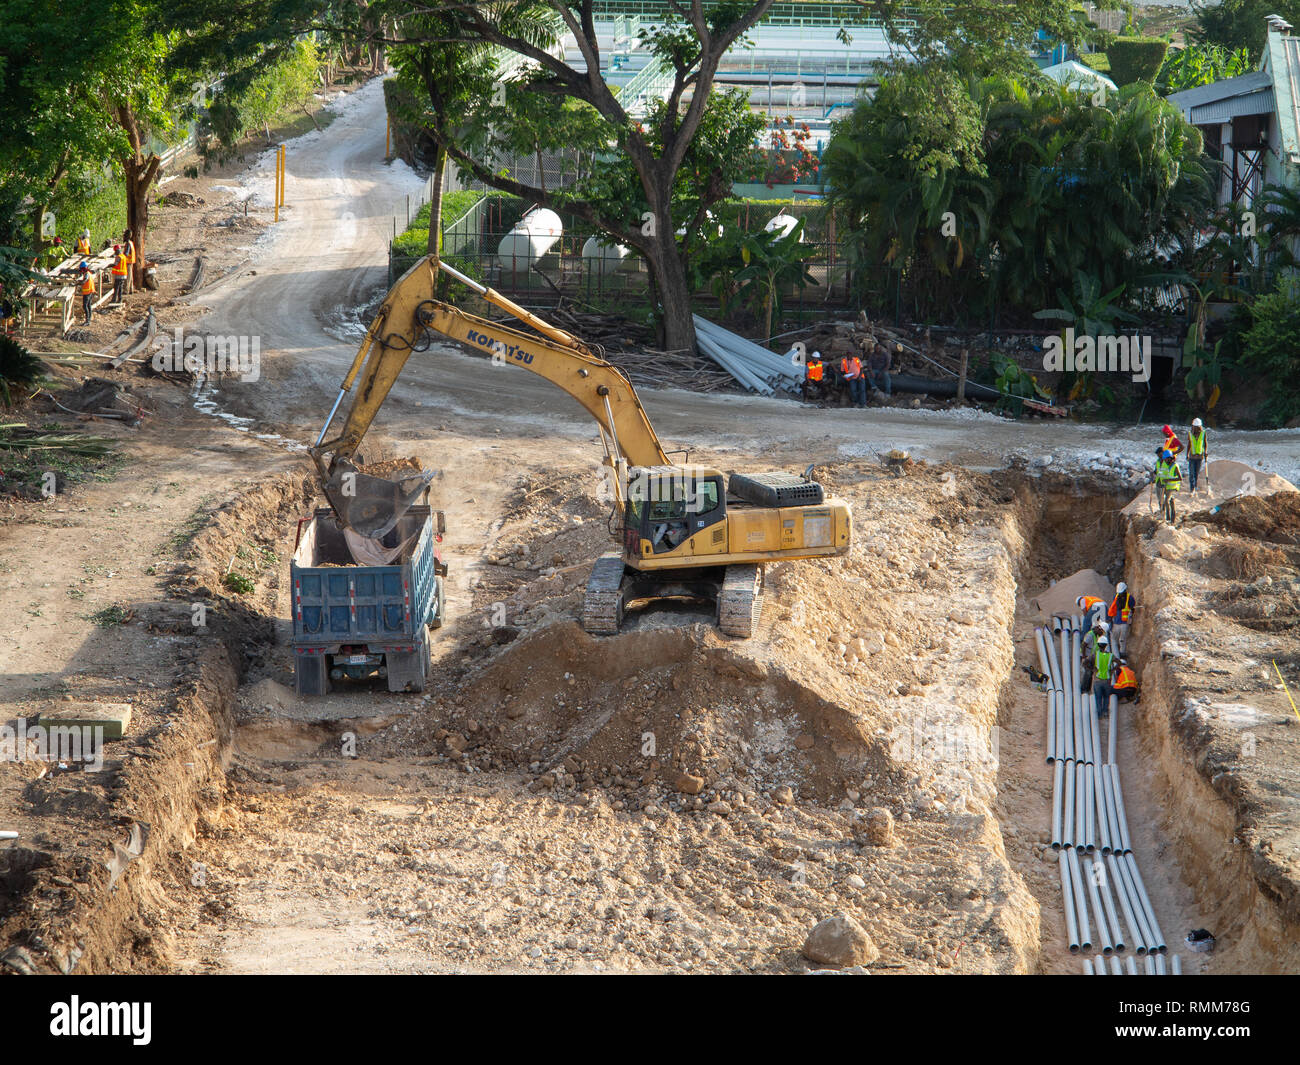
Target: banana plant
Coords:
[(773, 262)]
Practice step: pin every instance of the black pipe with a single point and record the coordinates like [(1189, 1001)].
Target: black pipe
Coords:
[(928, 386)]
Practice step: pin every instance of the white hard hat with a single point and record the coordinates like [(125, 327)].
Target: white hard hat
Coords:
[(1079, 601), (1103, 641), (817, 354), (1121, 587), (1196, 423)]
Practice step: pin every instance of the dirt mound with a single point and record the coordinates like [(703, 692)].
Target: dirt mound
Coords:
[(1275, 517), (1060, 597), (659, 705), (1222, 480)]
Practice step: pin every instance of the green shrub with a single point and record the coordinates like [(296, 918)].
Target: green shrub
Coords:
[(1271, 351), (1135, 59), (19, 369), (1096, 61), (90, 202)]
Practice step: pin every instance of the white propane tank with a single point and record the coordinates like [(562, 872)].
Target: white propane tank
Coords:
[(532, 237), (783, 225), (602, 258)]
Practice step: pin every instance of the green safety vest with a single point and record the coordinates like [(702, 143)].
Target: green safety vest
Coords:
[(1197, 443), (1102, 671), (1168, 474)]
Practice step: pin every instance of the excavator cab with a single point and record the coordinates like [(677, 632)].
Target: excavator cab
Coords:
[(668, 505)]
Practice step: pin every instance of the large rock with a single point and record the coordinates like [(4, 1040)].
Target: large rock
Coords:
[(878, 827), (840, 941)]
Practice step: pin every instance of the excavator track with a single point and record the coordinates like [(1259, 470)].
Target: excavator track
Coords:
[(740, 602), (602, 607)]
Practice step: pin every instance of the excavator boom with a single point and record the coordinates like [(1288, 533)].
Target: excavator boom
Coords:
[(411, 315)]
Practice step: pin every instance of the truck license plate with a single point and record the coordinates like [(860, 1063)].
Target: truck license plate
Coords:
[(355, 660)]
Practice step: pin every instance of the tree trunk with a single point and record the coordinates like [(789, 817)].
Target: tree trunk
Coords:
[(435, 201), (669, 287), (141, 172)]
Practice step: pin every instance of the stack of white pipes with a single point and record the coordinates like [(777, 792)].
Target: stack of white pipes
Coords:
[(1099, 874), (752, 365)]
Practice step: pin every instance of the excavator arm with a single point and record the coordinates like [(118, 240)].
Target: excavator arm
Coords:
[(407, 322)]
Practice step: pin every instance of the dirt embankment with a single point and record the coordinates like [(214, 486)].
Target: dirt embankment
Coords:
[(1219, 601), (62, 909)]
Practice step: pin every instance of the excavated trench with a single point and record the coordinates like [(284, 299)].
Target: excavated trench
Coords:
[(1187, 835)]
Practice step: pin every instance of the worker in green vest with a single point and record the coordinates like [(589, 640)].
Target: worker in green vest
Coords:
[(1105, 666), (1196, 452)]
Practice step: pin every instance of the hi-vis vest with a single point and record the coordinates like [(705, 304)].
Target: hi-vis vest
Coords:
[(1197, 442), (815, 371), (119, 266), (1102, 672), (851, 368), (1126, 679), (1173, 444), (1090, 601), (1121, 612), (83, 245), (88, 285), (1168, 474), (129, 251)]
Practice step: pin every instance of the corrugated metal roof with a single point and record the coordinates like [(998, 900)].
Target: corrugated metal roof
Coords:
[(1252, 103), (1221, 90), (1283, 60)]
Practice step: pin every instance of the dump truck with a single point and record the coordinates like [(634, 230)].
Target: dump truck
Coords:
[(355, 620)]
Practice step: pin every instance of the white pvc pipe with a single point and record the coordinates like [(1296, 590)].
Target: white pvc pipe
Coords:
[(1126, 907), (1099, 806), (1067, 807), (1161, 946), (1051, 727), (1132, 966), (1116, 967), (1160, 966), (1176, 965), (1098, 915), (1089, 809), (1087, 967), (1148, 939), (1095, 728), (1060, 725), (1080, 902), (1080, 807), (1058, 800), (1112, 812), (1067, 894), (8, 835), (1104, 888), (1119, 810), (1112, 732)]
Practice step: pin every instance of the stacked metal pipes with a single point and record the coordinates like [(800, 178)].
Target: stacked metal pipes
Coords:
[(752, 365), (1100, 881)]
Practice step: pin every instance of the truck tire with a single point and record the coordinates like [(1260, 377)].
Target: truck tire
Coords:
[(311, 675)]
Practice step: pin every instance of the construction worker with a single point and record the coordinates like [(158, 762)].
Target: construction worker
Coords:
[(813, 374), (1120, 613), (87, 290), (128, 249), (878, 363), (1196, 452), (1089, 650), (1126, 685), (1172, 443), (83, 243), (851, 369), (1168, 480), (1105, 666), (119, 274), (1088, 605)]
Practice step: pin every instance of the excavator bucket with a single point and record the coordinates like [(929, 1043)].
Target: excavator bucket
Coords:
[(372, 506)]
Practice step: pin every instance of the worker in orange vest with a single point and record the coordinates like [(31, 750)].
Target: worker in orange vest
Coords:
[(87, 290), (1120, 613), (813, 374), (1088, 604), (83, 243), (1126, 685), (851, 369), (119, 274), (128, 249)]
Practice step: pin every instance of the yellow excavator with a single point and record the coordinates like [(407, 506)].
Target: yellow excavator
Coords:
[(686, 531)]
